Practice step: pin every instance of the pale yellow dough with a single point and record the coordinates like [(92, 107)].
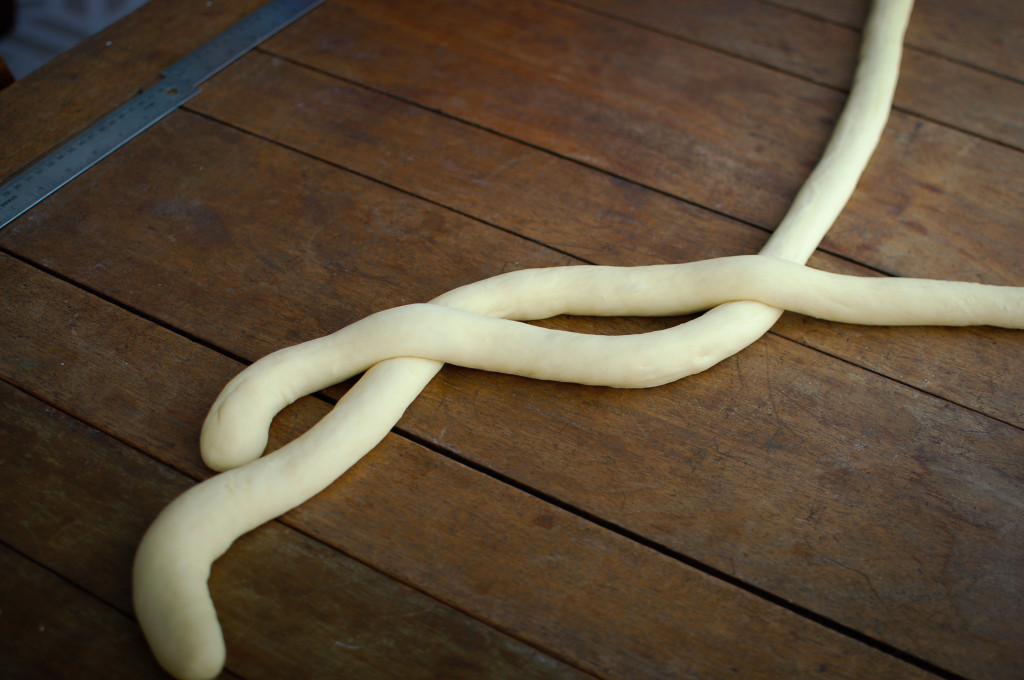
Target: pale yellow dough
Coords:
[(174, 559), (472, 327)]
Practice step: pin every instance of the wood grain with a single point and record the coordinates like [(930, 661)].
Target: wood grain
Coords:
[(289, 605), (777, 472), (982, 33), (592, 216), (225, 197), (76, 88), (741, 151), (786, 401), (683, 119), (932, 87), (571, 592), (272, 296), (833, 501), (50, 628)]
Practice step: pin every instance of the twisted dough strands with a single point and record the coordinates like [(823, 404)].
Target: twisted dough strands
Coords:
[(173, 562), (241, 416)]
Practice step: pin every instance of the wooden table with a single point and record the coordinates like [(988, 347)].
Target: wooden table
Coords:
[(834, 501)]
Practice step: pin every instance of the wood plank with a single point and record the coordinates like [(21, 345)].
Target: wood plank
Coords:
[(786, 475), (613, 606), (524, 190), (985, 33), (982, 33), (949, 92), (357, 248), (252, 307), (684, 119), (78, 87), (79, 501), (49, 628), (533, 569), (270, 271), (590, 215), (793, 42), (934, 203), (932, 87), (847, 12), (742, 147), (801, 426)]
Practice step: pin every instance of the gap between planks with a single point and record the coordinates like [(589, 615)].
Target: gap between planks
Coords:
[(568, 507)]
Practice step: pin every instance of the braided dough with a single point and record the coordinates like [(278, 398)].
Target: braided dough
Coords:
[(478, 326)]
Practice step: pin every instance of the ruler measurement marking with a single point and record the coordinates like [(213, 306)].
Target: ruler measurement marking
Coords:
[(179, 83)]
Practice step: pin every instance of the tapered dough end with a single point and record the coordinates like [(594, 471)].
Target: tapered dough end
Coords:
[(235, 431), (224, 447), (173, 605), (177, 626)]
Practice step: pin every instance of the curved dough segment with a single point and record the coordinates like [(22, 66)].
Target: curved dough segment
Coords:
[(171, 595), (235, 431), (172, 565)]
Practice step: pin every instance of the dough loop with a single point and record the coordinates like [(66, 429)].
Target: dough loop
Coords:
[(479, 326)]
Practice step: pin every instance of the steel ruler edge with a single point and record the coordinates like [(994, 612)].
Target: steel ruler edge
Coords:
[(179, 83)]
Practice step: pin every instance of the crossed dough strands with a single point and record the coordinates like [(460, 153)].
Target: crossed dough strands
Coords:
[(474, 328), (173, 561)]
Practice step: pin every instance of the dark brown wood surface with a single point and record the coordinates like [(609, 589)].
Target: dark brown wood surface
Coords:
[(834, 501)]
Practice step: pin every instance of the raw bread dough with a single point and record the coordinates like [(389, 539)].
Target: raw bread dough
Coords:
[(173, 562), (472, 327)]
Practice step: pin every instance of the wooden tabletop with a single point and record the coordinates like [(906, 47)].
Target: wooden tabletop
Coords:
[(833, 501)]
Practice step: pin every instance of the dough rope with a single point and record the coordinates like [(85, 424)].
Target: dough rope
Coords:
[(172, 565), (490, 338)]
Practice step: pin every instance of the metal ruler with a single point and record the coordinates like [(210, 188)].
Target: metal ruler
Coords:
[(178, 84)]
